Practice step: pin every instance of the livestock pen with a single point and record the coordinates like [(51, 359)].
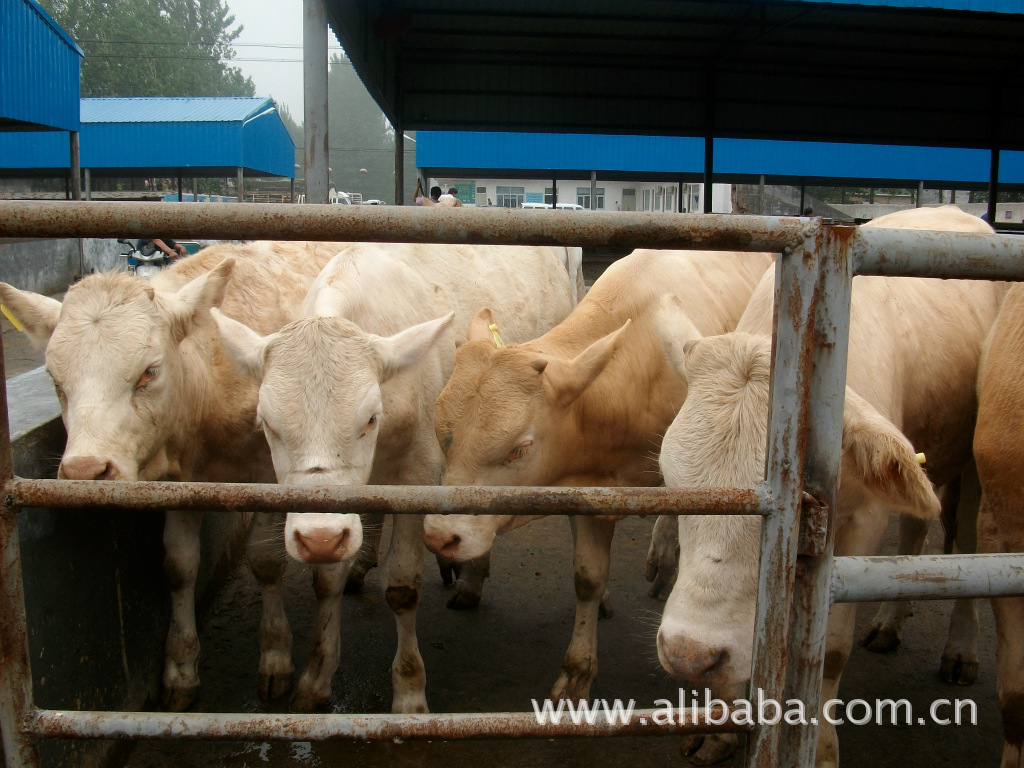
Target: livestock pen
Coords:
[(813, 284)]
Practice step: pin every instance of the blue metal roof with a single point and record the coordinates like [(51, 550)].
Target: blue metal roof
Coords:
[(187, 136), (734, 159), (34, 51), (980, 6)]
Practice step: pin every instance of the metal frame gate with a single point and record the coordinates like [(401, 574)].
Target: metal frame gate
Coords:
[(813, 286)]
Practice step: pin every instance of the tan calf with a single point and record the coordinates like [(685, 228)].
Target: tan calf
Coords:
[(585, 404), (999, 452)]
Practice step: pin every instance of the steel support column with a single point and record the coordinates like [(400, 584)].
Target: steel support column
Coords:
[(314, 81)]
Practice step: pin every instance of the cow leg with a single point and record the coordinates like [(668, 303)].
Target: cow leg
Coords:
[(886, 632), (960, 656), (181, 566), (314, 686), (591, 561), (267, 563), (663, 556), (403, 579), (373, 526), (713, 748), (469, 586)]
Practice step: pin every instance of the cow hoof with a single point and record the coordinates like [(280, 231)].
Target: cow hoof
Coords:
[(275, 686), (957, 671), (179, 699), (464, 598), (605, 610), (881, 640), (708, 750), (307, 701), (410, 705), (573, 686)]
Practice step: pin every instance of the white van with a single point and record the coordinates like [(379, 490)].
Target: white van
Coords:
[(569, 207), (535, 206)]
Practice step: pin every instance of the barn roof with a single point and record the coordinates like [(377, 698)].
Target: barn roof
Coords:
[(204, 137), (674, 158), (34, 50), (903, 72)]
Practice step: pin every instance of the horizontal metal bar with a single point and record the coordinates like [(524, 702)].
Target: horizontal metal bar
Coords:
[(63, 724), (401, 224), (913, 253), (926, 577), (390, 499)]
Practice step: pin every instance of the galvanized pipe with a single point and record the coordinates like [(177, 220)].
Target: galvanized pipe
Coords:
[(931, 577), (56, 724), (910, 253), (389, 499), (281, 221)]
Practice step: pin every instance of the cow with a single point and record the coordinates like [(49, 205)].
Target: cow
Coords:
[(585, 404), (914, 350), (346, 397), (147, 393), (999, 453)]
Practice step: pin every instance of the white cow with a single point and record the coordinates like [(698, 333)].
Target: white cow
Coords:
[(147, 394), (346, 397), (583, 405), (914, 350)]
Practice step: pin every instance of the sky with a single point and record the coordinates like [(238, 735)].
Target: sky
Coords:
[(269, 50)]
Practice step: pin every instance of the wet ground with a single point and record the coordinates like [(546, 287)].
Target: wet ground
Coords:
[(508, 652)]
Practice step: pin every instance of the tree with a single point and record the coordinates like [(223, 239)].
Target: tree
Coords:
[(153, 47)]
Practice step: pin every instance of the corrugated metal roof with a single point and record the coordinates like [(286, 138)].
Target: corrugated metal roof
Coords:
[(172, 110), (734, 159), (220, 137), (40, 68)]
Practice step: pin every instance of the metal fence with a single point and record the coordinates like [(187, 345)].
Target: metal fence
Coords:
[(813, 287)]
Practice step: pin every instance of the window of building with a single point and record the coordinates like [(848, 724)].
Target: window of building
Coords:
[(549, 197), (629, 199), (509, 197), (583, 198), (647, 200)]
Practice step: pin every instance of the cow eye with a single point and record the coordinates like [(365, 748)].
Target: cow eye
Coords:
[(147, 376), (518, 452), (370, 424)]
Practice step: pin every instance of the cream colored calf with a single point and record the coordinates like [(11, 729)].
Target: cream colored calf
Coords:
[(914, 351), (147, 394), (346, 397)]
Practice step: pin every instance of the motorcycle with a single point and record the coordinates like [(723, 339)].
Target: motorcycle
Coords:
[(144, 265)]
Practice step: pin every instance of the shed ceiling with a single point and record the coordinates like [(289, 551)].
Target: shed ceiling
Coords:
[(833, 71)]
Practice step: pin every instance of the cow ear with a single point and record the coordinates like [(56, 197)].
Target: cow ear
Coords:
[(568, 379), (676, 331), (883, 460), (36, 314), (243, 344), (189, 306), (407, 347), (480, 326)]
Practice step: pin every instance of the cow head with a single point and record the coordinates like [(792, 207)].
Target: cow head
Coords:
[(718, 440), (113, 352), (503, 419), (321, 409)]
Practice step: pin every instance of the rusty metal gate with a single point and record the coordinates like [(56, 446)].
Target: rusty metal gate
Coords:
[(813, 287)]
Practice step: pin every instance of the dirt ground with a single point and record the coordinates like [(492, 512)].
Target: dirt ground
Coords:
[(509, 651)]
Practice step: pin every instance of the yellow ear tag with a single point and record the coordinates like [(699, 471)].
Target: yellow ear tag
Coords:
[(494, 332), (11, 317), (920, 458)]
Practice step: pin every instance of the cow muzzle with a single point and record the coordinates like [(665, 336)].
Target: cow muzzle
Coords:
[(88, 468), (690, 659)]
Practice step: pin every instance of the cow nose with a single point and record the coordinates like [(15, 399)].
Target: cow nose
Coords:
[(686, 658), (442, 543), (322, 547), (87, 468)]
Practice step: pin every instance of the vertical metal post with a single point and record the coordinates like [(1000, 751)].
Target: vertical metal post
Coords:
[(760, 198), (796, 276), (180, 195), (826, 397), (241, 185), (76, 166), (593, 190), (993, 185), (88, 184), (920, 194), (399, 165), (709, 140), (314, 80), (20, 751), (554, 193)]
